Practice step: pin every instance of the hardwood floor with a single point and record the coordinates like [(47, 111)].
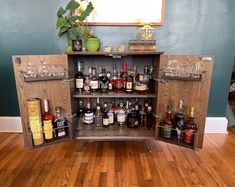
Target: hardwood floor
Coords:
[(118, 164)]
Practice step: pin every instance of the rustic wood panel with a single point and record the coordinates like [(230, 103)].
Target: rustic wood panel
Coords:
[(118, 163), (56, 91), (191, 92)]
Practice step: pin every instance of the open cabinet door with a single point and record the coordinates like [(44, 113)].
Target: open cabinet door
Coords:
[(193, 91), (54, 88)]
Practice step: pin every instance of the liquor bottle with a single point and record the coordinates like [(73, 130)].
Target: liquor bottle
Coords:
[(143, 117), (60, 124), (80, 114), (88, 114), (98, 117), (104, 82), (94, 82), (167, 123), (87, 86), (111, 115), (89, 72), (105, 119), (151, 85), (110, 86), (146, 76), (141, 86), (129, 83), (133, 118), (79, 77), (151, 121), (189, 128), (178, 122), (146, 104), (124, 73), (114, 109), (47, 120), (118, 84), (121, 115)]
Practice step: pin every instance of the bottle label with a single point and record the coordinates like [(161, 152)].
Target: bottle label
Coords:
[(111, 118), (35, 127), (94, 84), (79, 83), (121, 118), (188, 136), (86, 88), (89, 118), (141, 87), (48, 129), (128, 85), (105, 121), (119, 85), (167, 131)]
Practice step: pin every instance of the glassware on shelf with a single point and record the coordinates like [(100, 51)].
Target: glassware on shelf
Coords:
[(184, 70), (170, 68), (30, 71), (45, 70), (197, 69), (58, 70)]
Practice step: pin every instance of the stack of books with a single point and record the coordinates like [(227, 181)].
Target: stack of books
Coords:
[(142, 45)]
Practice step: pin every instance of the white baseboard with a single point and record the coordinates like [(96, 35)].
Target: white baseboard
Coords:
[(213, 124), (216, 125), (10, 124)]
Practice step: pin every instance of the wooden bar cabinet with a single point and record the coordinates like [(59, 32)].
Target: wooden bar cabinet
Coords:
[(60, 91)]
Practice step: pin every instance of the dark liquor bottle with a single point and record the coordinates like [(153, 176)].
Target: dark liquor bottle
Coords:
[(80, 114), (118, 84), (94, 82), (167, 123), (111, 115), (98, 117), (87, 86), (88, 114), (129, 83), (124, 72), (151, 121), (121, 115), (60, 124), (146, 104), (143, 117), (189, 128), (104, 82), (178, 123), (79, 77), (105, 119), (114, 77), (141, 86), (47, 120), (146, 76), (151, 80)]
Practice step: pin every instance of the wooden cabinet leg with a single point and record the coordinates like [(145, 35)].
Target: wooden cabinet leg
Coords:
[(149, 145), (80, 145)]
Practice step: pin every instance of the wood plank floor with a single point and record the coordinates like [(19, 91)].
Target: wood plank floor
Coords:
[(124, 164)]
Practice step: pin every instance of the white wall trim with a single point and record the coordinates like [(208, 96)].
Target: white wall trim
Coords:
[(216, 125), (10, 124), (213, 124)]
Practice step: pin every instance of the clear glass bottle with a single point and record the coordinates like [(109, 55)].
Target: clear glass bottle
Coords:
[(114, 77), (60, 124), (79, 77), (47, 120), (98, 117), (94, 82), (87, 86), (151, 121), (111, 115), (121, 115)]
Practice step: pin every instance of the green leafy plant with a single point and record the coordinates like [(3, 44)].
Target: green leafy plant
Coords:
[(74, 24)]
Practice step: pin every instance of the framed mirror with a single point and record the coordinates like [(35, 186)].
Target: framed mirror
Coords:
[(127, 12)]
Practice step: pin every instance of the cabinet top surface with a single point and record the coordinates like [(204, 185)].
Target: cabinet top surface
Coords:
[(112, 53)]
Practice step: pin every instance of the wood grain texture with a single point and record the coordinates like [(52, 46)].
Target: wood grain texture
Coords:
[(56, 91), (114, 164), (191, 92)]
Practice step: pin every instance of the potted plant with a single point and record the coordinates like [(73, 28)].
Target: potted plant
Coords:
[(74, 24)]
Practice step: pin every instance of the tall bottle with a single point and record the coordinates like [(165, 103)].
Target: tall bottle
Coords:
[(178, 122), (129, 83), (80, 114), (151, 121), (124, 72), (88, 114), (121, 114), (79, 77), (189, 128), (167, 123), (104, 82), (114, 77), (60, 124), (151, 85), (47, 120), (119, 84), (94, 82)]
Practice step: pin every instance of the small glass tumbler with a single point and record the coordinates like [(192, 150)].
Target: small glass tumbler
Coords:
[(58, 70), (30, 71), (171, 68), (45, 70)]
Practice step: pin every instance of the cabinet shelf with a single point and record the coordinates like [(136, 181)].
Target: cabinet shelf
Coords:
[(114, 132), (49, 78), (165, 77), (52, 142), (115, 53), (175, 142), (113, 95)]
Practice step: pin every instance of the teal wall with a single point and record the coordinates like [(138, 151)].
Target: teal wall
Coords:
[(191, 27)]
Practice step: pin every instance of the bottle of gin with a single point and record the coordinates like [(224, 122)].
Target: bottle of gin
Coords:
[(151, 121), (98, 117), (94, 82)]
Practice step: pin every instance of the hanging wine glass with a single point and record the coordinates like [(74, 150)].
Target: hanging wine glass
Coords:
[(30, 71), (45, 70)]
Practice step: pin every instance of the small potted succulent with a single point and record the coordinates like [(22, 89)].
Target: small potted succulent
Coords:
[(75, 24)]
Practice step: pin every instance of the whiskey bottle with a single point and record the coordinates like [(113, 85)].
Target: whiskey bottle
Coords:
[(47, 120), (98, 117), (94, 82), (79, 77), (105, 119), (167, 123), (87, 86), (60, 124), (178, 122), (111, 115), (119, 84), (151, 121), (80, 114), (151, 80), (124, 73), (114, 77), (143, 117), (88, 114), (129, 84), (146, 76), (121, 115), (104, 82), (189, 128)]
